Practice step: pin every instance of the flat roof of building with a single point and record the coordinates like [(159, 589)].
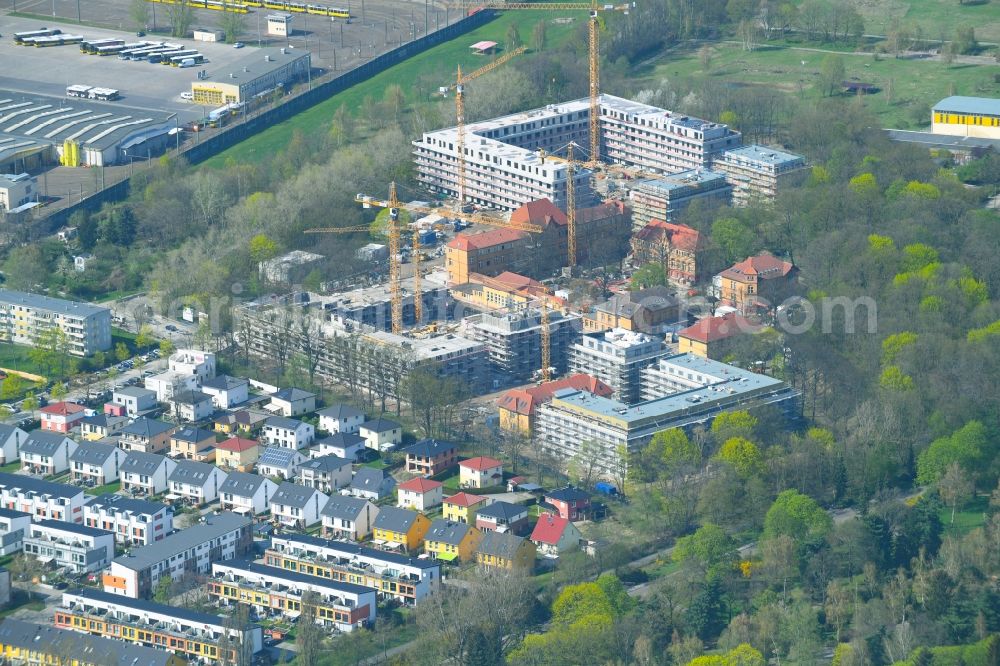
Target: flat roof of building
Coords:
[(63, 526), (931, 140), (682, 179), (987, 106), (59, 305), (762, 154), (145, 605), (351, 549), (294, 576), (254, 64), (26, 117)]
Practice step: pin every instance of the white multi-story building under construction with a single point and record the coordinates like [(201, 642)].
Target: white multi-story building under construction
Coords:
[(514, 339), (617, 358), (506, 163)]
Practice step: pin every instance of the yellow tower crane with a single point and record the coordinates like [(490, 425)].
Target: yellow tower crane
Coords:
[(395, 232), (546, 337), (459, 88), (594, 46), (570, 208)]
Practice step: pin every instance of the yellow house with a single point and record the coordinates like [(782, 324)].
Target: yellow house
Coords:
[(507, 551), (462, 508), (401, 528), (237, 453), (450, 541), (29, 643), (517, 406), (714, 337)]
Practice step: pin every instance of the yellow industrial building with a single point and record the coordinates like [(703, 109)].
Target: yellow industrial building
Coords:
[(967, 116), (259, 73)]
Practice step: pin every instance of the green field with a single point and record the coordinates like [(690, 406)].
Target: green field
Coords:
[(426, 71), (933, 16), (967, 518), (907, 88), (15, 357), (106, 488)]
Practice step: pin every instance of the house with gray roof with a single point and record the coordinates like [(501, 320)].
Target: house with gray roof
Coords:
[(506, 551), (326, 474), (503, 517), (100, 426), (133, 521), (448, 540), (134, 399), (348, 517), (340, 419), (146, 435), (146, 473), (41, 498), (276, 461), (297, 506), (288, 433), (13, 526), (46, 453), (372, 484), (292, 402), (196, 482), (381, 434), (191, 405), (96, 463), (192, 443), (396, 520), (226, 391), (246, 494), (11, 439), (342, 444)]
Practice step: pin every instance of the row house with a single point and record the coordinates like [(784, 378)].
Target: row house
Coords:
[(192, 635), (297, 506), (11, 439), (348, 517), (133, 521), (243, 422), (146, 473), (450, 541), (46, 453), (275, 592), (217, 537), (42, 499), (96, 463), (391, 575), (30, 643)]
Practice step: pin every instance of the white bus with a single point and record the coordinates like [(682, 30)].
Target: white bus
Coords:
[(77, 90), (103, 94), (21, 37)]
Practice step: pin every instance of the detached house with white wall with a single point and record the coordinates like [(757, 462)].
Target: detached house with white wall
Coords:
[(96, 463), (340, 419), (327, 474), (297, 506), (292, 402), (343, 445), (381, 434), (62, 416), (196, 482), (146, 473), (276, 461), (226, 391), (348, 518), (46, 453), (246, 494), (11, 439), (288, 433)]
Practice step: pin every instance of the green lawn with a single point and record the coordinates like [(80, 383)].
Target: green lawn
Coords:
[(21, 600), (967, 518), (933, 17), (908, 88), (664, 566), (419, 76), (12, 467), (106, 488), (15, 357)]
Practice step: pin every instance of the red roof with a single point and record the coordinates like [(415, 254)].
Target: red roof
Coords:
[(237, 444), (524, 401), (549, 529), (539, 213), (480, 464), (486, 239), (464, 499), (713, 329), (678, 235), (62, 408), (764, 266), (420, 485)]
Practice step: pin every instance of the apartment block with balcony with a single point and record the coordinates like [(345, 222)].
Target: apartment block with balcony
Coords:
[(78, 548), (25, 318), (218, 537), (190, 634), (30, 643), (391, 575), (133, 521), (42, 499), (760, 172), (514, 340), (275, 592), (617, 358)]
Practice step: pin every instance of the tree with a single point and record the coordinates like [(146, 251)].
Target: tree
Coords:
[(30, 403), (585, 465), (742, 455), (26, 268), (649, 275), (163, 591), (705, 60), (13, 387), (796, 516), (955, 487), (831, 74), (233, 24), (733, 424), (709, 550), (538, 36), (967, 446), (395, 100), (167, 347), (58, 391), (122, 352), (513, 36), (181, 16), (734, 238), (309, 634), (262, 248), (138, 11), (144, 338)]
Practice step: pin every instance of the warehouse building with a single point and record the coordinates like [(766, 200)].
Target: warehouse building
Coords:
[(760, 172), (258, 74), (967, 116), (692, 390), (506, 158), (36, 130), (24, 316)]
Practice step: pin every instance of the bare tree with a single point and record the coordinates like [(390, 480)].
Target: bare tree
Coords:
[(309, 634), (585, 465), (955, 487), (180, 16), (138, 11)]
